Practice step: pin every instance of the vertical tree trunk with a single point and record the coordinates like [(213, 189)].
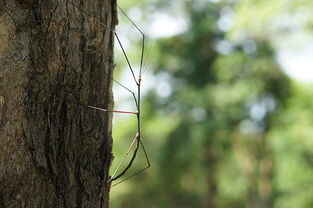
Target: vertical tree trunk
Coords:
[(256, 164), (54, 60), (265, 180), (211, 160)]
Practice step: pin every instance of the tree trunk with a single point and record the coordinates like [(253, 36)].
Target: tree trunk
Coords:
[(55, 59), (265, 180), (211, 160), (256, 164)]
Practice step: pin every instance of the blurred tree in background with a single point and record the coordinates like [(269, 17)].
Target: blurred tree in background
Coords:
[(224, 126)]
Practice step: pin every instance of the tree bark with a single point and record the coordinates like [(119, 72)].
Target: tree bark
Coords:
[(54, 61)]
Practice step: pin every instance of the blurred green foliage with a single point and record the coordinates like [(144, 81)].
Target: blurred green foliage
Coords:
[(233, 130)]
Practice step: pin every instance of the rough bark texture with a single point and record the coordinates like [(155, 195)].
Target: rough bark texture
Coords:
[(54, 59)]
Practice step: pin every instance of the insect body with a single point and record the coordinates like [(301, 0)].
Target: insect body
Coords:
[(136, 142)]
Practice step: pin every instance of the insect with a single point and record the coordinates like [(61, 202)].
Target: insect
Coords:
[(136, 143)]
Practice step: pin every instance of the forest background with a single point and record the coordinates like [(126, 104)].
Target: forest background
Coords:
[(227, 110)]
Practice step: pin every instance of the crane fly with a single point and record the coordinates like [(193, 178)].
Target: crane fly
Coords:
[(136, 143)]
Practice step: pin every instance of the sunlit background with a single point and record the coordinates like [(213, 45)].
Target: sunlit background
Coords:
[(227, 104)]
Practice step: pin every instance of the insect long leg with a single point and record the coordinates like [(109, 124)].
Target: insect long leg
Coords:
[(143, 39), (117, 111), (142, 170), (134, 96), (146, 155), (113, 177), (113, 111), (126, 57)]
